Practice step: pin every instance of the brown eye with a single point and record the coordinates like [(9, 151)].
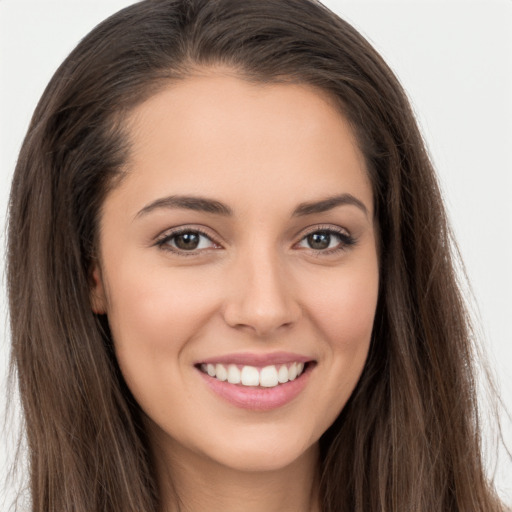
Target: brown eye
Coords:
[(327, 241), (319, 240), (187, 241)]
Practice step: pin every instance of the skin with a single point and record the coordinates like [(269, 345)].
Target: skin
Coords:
[(257, 286)]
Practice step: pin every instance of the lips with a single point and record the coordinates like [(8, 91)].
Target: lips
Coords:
[(257, 381)]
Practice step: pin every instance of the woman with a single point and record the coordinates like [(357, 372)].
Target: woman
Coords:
[(223, 215)]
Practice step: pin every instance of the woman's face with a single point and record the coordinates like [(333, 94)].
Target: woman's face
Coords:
[(240, 245)]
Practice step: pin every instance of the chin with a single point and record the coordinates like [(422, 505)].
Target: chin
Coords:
[(261, 453)]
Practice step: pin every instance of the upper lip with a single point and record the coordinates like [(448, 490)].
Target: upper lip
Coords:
[(253, 359)]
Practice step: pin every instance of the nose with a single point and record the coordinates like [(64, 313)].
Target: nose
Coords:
[(260, 295)]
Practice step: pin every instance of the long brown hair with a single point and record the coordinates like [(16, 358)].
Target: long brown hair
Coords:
[(408, 439)]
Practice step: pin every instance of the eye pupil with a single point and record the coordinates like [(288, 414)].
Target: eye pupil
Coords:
[(187, 241), (319, 240)]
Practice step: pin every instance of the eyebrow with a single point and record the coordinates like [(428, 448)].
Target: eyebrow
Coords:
[(200, 204), (206, 205), (327, 204)]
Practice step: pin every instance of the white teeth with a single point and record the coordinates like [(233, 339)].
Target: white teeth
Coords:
[(233, 374), (267, 377), (282, 374), (250, 376), (220, 372)]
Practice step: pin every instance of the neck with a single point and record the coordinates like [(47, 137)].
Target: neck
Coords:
[(189, 482)]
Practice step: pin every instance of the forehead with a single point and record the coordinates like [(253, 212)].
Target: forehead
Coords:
[(218, 134)]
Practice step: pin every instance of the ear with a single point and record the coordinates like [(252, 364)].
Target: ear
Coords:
[(97, 293)]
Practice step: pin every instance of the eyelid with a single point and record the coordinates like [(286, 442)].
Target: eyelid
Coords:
[(324, 227)]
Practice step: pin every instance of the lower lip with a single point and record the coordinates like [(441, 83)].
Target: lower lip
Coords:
[(258, 398)]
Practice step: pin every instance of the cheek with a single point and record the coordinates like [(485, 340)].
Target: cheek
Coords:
[(349, 318), (155, 304), (153, 315), (344, 307), (342, 310)]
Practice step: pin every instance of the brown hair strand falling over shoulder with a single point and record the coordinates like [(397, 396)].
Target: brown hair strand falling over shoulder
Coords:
[(408, 439)]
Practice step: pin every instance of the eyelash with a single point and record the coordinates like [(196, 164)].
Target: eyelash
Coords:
[(345, 240)]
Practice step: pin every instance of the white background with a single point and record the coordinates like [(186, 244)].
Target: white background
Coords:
[(453, 58)]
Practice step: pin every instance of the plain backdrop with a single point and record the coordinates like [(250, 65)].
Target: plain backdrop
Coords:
[(454, 59)]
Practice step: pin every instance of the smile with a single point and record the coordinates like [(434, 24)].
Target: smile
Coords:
[(268, 377), (257, 382)]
